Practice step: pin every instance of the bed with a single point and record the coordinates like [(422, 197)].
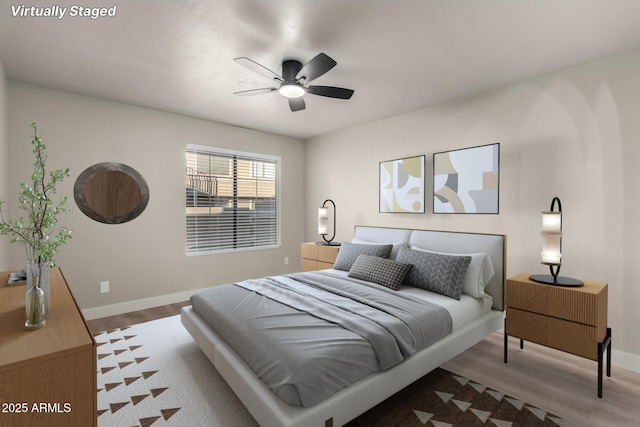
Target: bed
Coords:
[(476, 314)]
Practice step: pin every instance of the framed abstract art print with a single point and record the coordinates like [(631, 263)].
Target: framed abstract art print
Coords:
[(402, 185), (467, 180)]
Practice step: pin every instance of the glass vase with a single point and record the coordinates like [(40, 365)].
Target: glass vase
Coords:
[(41, 271), (34, 305)]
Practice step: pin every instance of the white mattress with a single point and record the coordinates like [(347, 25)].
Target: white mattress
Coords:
[(462, 311)]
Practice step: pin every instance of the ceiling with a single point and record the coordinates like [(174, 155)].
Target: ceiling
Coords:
[(398, 56)]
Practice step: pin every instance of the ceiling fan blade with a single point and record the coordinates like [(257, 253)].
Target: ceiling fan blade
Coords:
[(296, 104), (330, 91), (260, 69), (255, 91), (313, 69)]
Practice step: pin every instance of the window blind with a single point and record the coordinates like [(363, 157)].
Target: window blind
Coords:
[(232, 200)]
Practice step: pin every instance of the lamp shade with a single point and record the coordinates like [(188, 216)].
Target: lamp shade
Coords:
[(551, 253), (552, 222), (323, 221), (551, 238)]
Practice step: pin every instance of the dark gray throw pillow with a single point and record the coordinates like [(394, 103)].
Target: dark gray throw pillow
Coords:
[(383, 271), (435, 272), (349, 252)]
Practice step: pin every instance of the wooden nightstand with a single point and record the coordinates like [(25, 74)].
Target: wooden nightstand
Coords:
[(571, 319), (318, 257)]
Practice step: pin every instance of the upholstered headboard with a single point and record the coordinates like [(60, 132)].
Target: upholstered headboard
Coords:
[(494, 245)]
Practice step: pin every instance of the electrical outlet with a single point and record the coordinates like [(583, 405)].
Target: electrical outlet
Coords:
[(286, 260), (104, 287)]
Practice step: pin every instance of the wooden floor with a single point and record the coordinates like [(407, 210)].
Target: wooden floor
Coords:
[(553, 380), (558, 382), (128, 319)]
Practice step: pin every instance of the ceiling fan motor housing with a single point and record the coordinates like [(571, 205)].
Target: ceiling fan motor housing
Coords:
[(290, 69)]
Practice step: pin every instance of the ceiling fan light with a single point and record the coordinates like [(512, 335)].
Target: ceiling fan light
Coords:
[(291, 90)]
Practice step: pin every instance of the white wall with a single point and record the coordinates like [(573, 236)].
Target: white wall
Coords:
[(144, 258), (4, 163), (573, 134)]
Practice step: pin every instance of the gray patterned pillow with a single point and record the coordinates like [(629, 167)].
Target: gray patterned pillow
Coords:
[(435, 272), (349, 252), (383, 271)]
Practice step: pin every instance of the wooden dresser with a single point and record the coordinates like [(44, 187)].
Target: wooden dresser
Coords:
[(571, 319), (318, 257), (47, 375)]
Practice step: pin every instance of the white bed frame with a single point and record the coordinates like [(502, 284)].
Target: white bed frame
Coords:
[(270, 411)]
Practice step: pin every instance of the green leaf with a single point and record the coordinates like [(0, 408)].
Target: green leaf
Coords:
[(38, 235)]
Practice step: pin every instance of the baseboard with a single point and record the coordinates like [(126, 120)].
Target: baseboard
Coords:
[(141, 304), (628, 361)]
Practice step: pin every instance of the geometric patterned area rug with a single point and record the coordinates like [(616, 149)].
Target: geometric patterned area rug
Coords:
[(153, 375), (444, 399)]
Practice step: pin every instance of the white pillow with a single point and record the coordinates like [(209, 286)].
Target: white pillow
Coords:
[(478, 274), (394, 250)]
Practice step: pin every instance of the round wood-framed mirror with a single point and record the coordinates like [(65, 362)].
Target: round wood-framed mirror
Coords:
[(111, 193)]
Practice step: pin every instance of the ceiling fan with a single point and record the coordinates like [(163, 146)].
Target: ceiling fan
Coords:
[(294, 82)]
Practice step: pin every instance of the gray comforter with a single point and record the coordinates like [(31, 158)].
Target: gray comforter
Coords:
[(308, 335)]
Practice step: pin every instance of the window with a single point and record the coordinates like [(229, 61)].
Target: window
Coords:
[(232, 201)]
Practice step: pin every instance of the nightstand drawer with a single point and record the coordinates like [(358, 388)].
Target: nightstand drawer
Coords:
[(526, 295), (575, 338), (526, 325), (313, 264), (328, 254), (309, 251), (586, 304), (317, 257)]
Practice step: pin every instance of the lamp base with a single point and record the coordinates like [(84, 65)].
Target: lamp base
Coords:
[(556, 280), (328, 243)]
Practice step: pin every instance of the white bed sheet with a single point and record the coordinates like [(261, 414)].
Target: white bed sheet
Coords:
[(462, 311)]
